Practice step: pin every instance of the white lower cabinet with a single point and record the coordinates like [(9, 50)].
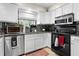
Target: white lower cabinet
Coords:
[(37, 41), (75, 50), (1, 46), (74, 46), (29, 45), (72, 50), (47, 40)]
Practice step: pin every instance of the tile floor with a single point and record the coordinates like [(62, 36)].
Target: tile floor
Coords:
[(48, 50), (51, 53)]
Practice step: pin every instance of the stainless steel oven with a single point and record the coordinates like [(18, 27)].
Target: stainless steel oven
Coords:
[(64, 51), (64, 27)]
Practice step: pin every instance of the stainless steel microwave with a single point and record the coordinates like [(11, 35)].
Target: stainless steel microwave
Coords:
[(64, 19), (13, 29)]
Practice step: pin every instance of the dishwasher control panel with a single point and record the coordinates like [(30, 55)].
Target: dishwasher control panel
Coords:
[(14, 41)]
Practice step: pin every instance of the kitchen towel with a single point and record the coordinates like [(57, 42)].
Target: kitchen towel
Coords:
[(56, 42), (61, 40)]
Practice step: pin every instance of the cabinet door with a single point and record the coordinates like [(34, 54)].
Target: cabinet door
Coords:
[(36, 43), (39, 41), (74, 46), (8, 12), (67, 9), (2, 12), (20, 44), (75, 50), (11, 13), (29, 44), (47, 18), (44, 17), (8, 48), (58, 11), (76, 11), (72, 50), (52, 19), (1, 46), (41, 17), (47, 39)]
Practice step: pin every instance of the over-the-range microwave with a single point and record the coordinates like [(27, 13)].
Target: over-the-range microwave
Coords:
[(64, 19)]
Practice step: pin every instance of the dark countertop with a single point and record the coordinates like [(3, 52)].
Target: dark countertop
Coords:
[(17, 34), (60, 33), (31, 33), (75, 35), (36, 33)]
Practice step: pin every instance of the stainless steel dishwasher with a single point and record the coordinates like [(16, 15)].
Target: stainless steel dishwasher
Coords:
[(14, 45)]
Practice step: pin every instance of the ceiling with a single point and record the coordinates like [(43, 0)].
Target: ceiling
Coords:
[(44, 5)]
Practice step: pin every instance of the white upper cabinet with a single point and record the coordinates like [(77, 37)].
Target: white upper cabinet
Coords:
[(58, 11), (52, 19), (47, 18), (67, 9), (11, 13), (44, 17), (8, 13), (40, 17), (76, 11)]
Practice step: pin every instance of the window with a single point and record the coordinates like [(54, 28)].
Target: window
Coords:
[(27, 17), (27, 14)]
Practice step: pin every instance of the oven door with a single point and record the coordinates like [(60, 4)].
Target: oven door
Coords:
[(66, 50), (61, 50)]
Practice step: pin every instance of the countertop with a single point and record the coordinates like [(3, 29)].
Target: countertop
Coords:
[(36, 33), (60, 33), (17, 34), (31, 33), (75, 35)]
